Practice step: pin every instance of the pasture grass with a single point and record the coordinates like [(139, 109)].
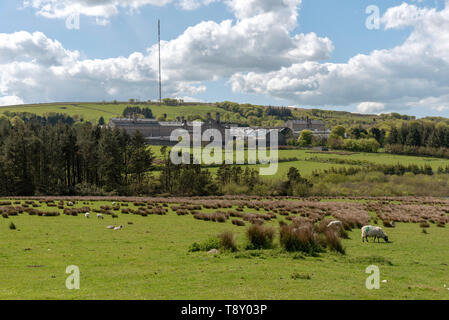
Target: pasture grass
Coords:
[(149, 259), (93, 111), (306, 163)]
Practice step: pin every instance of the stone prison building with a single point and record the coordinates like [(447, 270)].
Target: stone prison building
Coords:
[(158, 132)]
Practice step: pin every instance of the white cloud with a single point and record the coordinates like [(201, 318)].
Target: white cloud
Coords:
[(256, 51), (33, 47), (37, 68), (370, 107), (102, 10), (194, 4), (403, 76), (258, 41), (10, 101)]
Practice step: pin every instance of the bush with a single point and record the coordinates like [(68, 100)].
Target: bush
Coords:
[(333, 241), (238, 222), (212, 243), (301, 238), (424, 224), (260, 237), (227, 241), (388, 224)]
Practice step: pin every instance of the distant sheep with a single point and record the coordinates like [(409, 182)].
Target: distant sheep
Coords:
[(110, 227), (87, 215), (118, 228), (335, 223), (100, 216), (371, 231)]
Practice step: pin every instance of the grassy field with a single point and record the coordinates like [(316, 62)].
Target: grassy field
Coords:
[(309, 161), (149, 259), (93, 111)]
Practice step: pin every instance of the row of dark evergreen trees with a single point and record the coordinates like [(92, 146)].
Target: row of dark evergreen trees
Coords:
[(37, 157), (420, 134)]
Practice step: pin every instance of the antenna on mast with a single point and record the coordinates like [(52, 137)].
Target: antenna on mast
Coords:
[(159, 43)]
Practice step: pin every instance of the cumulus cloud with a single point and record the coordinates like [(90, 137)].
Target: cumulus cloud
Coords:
[(370, 107), (258, 41), (256, 51), (10, 100), (402, 76), (37, 68)]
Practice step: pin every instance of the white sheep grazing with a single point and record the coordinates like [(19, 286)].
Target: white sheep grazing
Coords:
[(371, 231), (70, 203), (118, 228), (87, 215), (100, 216), (110, 227), (335, 223), (113, 203)]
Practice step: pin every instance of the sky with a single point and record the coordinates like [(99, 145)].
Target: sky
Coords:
[(366, 56)]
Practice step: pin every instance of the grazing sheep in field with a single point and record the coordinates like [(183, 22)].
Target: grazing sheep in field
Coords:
[(110, 227), (87, 215), (113, 203), (70, 203), (335, 223), (118, 228), (371, 231), (100, 216)]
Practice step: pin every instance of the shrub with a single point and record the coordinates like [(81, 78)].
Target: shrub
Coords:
[(212, 243), (424, 224), (238, 222), (227, 241), (388, 224), (260, 237), (301, 238), (333, 241)]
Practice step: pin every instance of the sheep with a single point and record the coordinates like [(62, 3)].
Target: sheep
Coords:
[(335, 223), (70, 203), (118, 228), (100, 216), (110, 227), (87, 215), (371, 231)]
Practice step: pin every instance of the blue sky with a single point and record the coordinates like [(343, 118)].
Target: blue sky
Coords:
[(265, 66)]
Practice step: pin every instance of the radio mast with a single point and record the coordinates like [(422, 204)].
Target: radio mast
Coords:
[(159, 43)]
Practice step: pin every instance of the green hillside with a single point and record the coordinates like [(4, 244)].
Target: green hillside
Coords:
[(93, 111), (231, 112)]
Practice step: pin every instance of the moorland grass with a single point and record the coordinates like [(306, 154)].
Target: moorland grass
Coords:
[(149, 259)]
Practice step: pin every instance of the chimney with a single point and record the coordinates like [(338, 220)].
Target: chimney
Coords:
[(218, 117)]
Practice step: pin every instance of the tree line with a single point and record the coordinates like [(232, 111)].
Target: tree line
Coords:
[(40, 158)]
